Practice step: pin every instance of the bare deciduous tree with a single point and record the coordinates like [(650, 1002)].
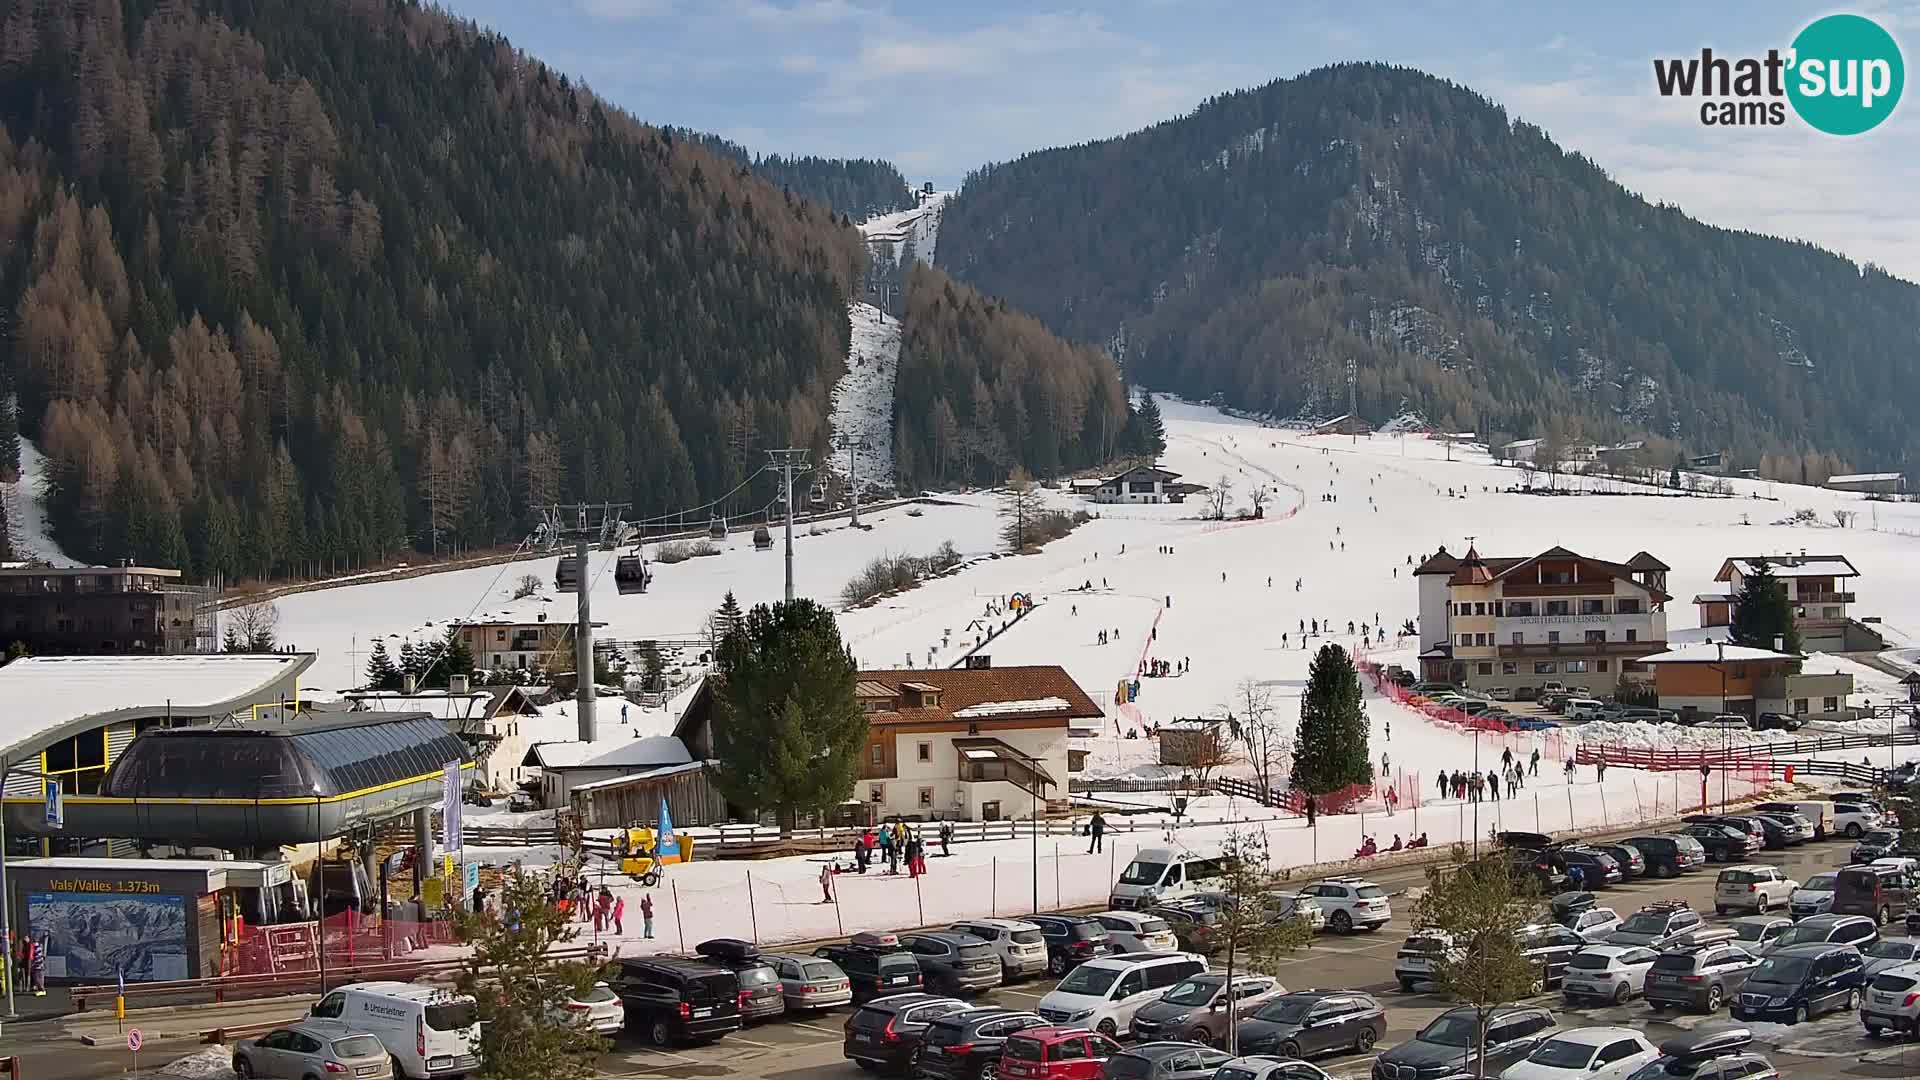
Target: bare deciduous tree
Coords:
[(1259, 497), (251, 628), (1220, 499), (1256, 725), (528, 585)]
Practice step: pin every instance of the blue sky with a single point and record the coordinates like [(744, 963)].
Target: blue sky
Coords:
[(940, 88)]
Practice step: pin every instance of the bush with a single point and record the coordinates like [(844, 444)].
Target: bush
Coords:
[(897, 573), (678, 551), (528, 585), (1055, 524)]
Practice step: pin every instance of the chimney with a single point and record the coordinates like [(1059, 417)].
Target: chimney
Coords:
[(409, 683), (456, 684)]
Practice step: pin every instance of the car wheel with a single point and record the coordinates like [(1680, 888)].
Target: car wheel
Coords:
[(1766, 904), (865, 1065), (1664, 870), (913, 1063), (1714, 997), (1803, 1014), (1290, 1049), (1847, 1004), (1719, 909), (1880, 917), (1207, 1038), (1056, 965), (659, 1032), (1107, 1028), (1853, 830), (1873, 1030), (242, 1068), (990, 1071), (1621, 993), (1657, 1006), (1365, 1041), (1341, 922), (1406, 986)]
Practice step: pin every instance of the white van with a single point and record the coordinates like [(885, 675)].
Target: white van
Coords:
[(431, 1033), (1585, 708), (1104, 994), (1159, 874)]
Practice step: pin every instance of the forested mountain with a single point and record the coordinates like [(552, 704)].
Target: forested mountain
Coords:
[(1468, 266), (857, 188), (291, 285), (982, 388)]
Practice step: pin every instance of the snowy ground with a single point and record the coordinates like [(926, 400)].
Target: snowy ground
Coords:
[(920, 225), (863, 398), (24, 513)]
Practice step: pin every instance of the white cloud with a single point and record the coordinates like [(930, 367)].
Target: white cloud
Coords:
[(625, 10)]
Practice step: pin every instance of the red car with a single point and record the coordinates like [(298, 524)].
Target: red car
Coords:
[(1055, 1053)]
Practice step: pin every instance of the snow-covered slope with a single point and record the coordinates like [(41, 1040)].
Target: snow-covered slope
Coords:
[(919, 227), (863, 398), (24, 513)]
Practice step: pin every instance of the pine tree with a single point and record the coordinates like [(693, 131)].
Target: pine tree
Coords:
[(790, 734), (455, 658), (520, 987), (382, 673), (1330, 745), (413, 661), (9, 431), (724, 621), (1153, 429), (1762, 612)]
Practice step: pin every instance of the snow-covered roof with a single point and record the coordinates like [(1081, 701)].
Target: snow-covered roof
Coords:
[(1521, 442), (1789, 565), (1864, 478), (45, 695), (644, 774), (609, 753), (446, 706), (1707, 652), (1002, 708)]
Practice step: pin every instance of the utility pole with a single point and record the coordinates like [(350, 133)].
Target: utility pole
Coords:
[(789, 461), (584, 534), (853, 480)]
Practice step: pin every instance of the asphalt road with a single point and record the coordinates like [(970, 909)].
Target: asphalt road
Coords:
[(808, 1047)]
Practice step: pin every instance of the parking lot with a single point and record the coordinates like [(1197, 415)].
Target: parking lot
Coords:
[(1834, 1046)]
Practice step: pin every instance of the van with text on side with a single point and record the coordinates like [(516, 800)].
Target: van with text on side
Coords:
[(429, 1032), (1158, 874)]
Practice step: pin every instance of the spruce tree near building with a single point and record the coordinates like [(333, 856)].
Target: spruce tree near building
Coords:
[(382, 672), (1330, 745), (519, 987), (1149, 434), (1763, 613), (788, 731)]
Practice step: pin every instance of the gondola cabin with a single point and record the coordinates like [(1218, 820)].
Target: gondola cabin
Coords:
[(631, 574), (566, 574), (717, 529), (762, 539)]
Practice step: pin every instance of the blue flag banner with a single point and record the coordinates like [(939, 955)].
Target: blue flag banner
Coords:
[(668, 844)]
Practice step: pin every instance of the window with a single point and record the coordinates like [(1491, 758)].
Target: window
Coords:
[(877, 793), (1830, 612), (1596, 637), (1738, 671), (1519, 608), (1509, 668), (1485, 669), (1799, 706), (926, 797), (1519, 637), (1497, 609), (1830, 704), (1633, 635), (1601, 665), (1071, 1048), (1466, 639), (1545, 667), (499, 635), (1464, 609), (924, 751), (1627, 605), (1558, 607), (1132, 983), (1576, 667), (1479, 609), (877, 754), (1553, 636), (1481, 639), (1593, 607)]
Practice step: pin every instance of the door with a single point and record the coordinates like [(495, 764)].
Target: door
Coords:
[(1074, 1061), (1616, 1059), (1129, 992), (303, 1053), (269, 1053), (1321, 1031)]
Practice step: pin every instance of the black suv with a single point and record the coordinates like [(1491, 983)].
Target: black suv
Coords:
[(966, 1045), (1698, 977), (886, 1032), (1724, 843), (1670, 855), (1071, 940), (956, 963), (1450, 1045), (1877, 844), (678, 1001), (761, 994), (1598, 869), (875, 965)]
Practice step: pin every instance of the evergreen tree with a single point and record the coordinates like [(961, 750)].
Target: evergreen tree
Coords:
[(455, 658), (231, 641), (1153, 430), (789, 733), (382, 672), (520, 987), (1330, 745), (651, 664), (413, 661), (9, 432), (1762, 612), (725, 621)]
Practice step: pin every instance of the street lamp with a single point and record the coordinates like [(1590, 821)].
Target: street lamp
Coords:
[(320, 888)]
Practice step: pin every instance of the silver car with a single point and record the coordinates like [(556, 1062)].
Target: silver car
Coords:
[(808, 982), (1889, 953), (312, 1049), (598, 1008)]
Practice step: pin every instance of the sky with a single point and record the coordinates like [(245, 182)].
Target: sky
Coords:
[(940, 88)]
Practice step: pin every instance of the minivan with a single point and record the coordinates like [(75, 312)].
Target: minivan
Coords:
[(675, 1001), (1670, 855), (1800, 982), (429, 1032), (1158, 874), (1584, 708), (1104, 994), (1879, 891), (1817, 811)]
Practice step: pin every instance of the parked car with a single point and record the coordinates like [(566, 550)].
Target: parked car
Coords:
[(1855, 930), (1021, 947), (1671, 854), (886, 1032), (1591, 1053), (956, 963), (1773, 721), (1632, 863), (1757, 933), (1055, 1053), (1721, 842), (1881, 891), (1657, 925), (1814, 896), (1190, 924), (1196, 1009), (875, 965), (1854, 820), (1889, 953), (1133, 931), (1698, 977), (1745, 823), (1165, 1061), (1800, 982), (1876, 844), (1550, 946), (1597, 868), (761, 992), (1534, 841), (1754, 887), (1104, 994), (1451, 1043), (1607, 973), (1526, 693), (1721, 1054), (672, 1001), (1351, 903), (1314, 1022), (1595, 924), (1892, 1001), (1777, 832), (312, 1049), (966, 1045), (1586, 708), (1268, 1067), (1070, 940), (1501, 693), (810, 982), (597, 1007), (1288, 905)]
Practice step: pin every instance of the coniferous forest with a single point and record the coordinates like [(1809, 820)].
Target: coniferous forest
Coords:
[(856, 189), (1471, 269), (292, 286)]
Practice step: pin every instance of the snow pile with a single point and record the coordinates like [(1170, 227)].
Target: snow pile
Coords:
[(863, 398), (997, 708), (25, 515), (212, 1063), (1406, 422)]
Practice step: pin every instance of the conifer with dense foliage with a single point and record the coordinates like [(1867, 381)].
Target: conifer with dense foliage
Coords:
[(1330, 745), (290, 287), (855, 188), (1470, 268)]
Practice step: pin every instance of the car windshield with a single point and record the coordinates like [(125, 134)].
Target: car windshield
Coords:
[(1192, 992), (1022, 1049), (1820, 883), (821, 971), (1802, 935), (1026, 937), (757, 976), (452, 1016), (1787, 970), (1674, 961), (1645, 924), (598, 993), (1882, 838), (1751, 931), (1142, 873), (1369, 892), (1153, 926), (1286, 1010), (1452, 1029), (1891, 950), (358, 1046), (1590, 961), (1562, 1054), (1089, 979)]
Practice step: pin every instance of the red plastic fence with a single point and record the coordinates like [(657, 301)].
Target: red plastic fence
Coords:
[(1552, 744), (349, 939)]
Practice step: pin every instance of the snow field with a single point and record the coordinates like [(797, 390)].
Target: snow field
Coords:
[(25, 516), (863, 398)]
